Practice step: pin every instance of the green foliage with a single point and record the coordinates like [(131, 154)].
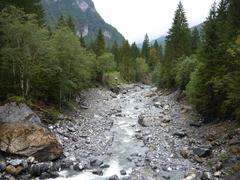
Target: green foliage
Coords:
[(141, 70), (105, 63), (178, 44), (17, 99), (195, 40), (185, 67), (29, 6), (146, 48), (24, 48), (112, 79), (99, 47)]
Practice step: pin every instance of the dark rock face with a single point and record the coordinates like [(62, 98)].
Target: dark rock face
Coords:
[(29, 139), (12, 112)]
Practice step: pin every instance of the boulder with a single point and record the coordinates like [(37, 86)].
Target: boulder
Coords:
[(28, 139), (11, 112)]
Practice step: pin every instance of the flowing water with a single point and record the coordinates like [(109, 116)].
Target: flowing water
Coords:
[(124, 144)]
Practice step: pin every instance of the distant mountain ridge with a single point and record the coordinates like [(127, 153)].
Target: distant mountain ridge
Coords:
[(86, 19)]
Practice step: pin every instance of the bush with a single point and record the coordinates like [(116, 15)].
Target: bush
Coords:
[(17, 99), (185, 67), (141, 70), (112, 79), (105, 63)]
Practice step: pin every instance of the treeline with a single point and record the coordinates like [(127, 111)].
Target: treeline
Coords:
[(205, 66), (51, 66)]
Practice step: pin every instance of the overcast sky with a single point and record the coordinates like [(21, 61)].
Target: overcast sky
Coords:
[(135, 18)]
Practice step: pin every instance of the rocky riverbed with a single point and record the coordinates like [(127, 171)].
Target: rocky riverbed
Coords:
[(139, 133)]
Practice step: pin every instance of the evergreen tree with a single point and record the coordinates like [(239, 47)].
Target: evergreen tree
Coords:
[(99, 44), (178, 44), (195, 40), (71, 24), (135, 50), (159, 49), (203, 89), (233, 22), (82, 41), (146, 48), (127, 62), (115, 51)]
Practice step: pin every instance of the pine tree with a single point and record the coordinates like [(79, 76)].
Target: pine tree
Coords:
[(82, 41), (202, 89), (135, 50), (178, 44), (115, 52), (159, 49), (233, 22), (146, 48), (127, 62), (195, 40), (71, 24), (99, 44)]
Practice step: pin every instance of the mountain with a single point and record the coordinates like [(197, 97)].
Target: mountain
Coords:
[(85, 17), (161, 39)]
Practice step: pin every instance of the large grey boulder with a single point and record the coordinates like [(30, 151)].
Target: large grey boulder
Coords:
[(13, 112)]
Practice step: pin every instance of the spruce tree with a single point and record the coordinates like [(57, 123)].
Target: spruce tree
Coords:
[(178, 44), (82, 41), (146, 48), (99, 48), (195, 40), (135, 50)]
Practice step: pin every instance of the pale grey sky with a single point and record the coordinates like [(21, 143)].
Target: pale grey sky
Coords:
[(135, 18)]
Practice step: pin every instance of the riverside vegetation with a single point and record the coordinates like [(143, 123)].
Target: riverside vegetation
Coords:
[(47, 67)]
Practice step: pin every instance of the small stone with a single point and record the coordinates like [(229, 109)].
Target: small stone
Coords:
[(98, 172), (123, 172), (114, 177), (166, 177), (180, 134), (217, 174), (78, 167), (129, 159), (202, 152), (2, 165), (96, 162), (15, 162), (46, 175), (13, 170), (206, 176), (30, 159), (104, 166)]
